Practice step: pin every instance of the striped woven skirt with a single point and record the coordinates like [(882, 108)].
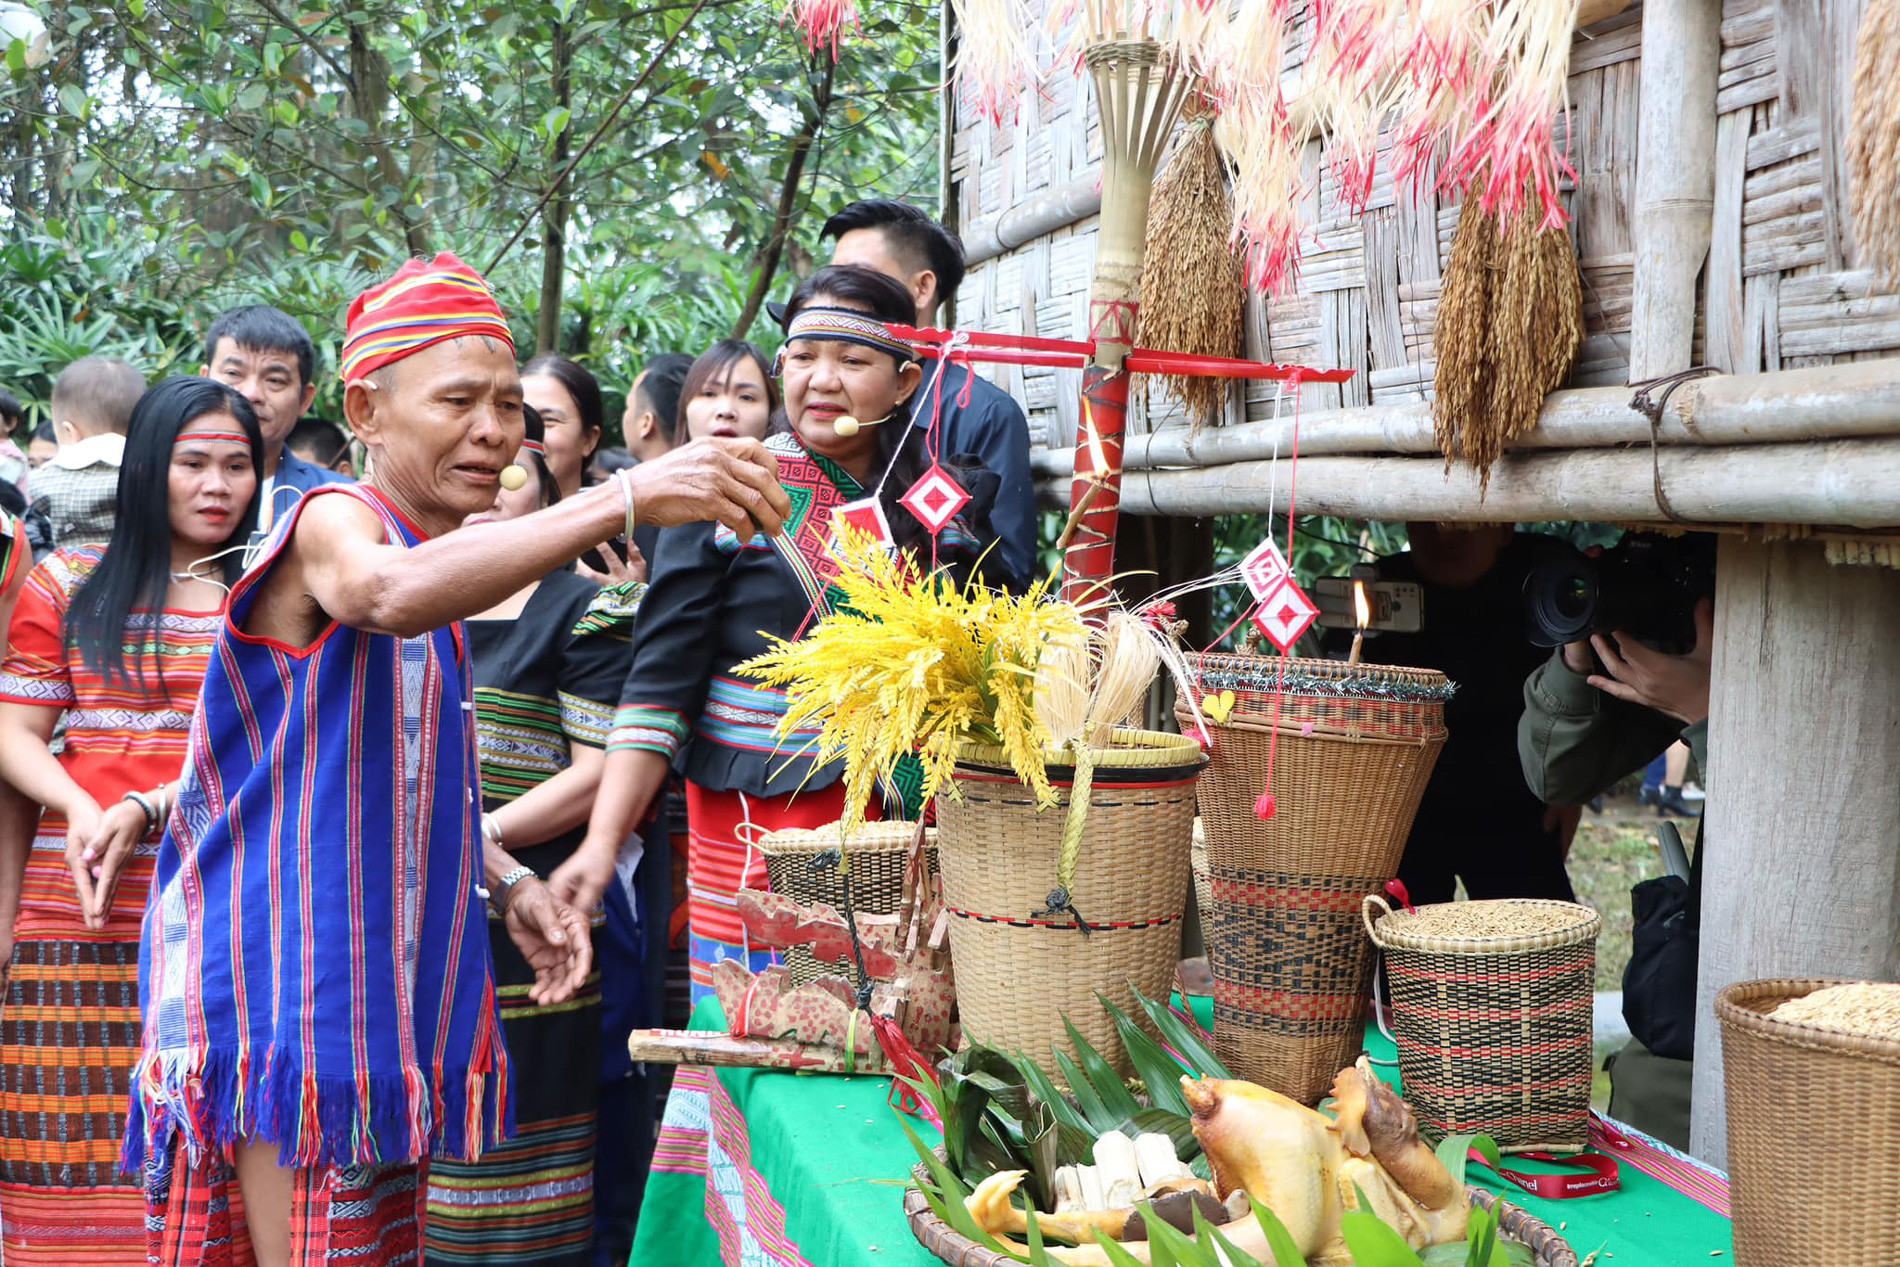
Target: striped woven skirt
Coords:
[(340, 1216), (69, 1035), (723, 857), (530, 1200)]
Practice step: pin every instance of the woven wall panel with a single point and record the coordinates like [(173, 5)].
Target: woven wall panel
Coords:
[(1783, 284)]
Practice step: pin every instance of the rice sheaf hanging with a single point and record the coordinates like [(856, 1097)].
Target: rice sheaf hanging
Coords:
[(1510, 320), (1873, 147), (1192, 292)]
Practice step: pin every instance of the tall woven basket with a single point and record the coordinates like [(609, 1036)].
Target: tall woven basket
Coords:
[(1289, 959), (1812, 1119), (795, 860), (1492, 1007), (1020, 972)]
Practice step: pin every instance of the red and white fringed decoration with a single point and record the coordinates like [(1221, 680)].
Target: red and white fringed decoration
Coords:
[(1352, 88), (1506, 148), (1255, 132), (995, 59), (823, 22)]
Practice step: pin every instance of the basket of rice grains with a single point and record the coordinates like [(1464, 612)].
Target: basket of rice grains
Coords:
[(1812, 1072), (1492, 1010)]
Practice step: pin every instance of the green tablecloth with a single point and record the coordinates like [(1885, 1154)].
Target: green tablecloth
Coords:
[(791, 1169)]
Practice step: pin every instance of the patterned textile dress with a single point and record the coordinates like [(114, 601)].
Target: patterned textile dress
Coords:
[(69, 1032), (544, 682), (712, 603), (314, 970)]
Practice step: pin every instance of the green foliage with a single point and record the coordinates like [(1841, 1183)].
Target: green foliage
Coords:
[(172, 157)]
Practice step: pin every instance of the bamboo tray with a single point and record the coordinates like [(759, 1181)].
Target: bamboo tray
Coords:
[(1549, 1248)]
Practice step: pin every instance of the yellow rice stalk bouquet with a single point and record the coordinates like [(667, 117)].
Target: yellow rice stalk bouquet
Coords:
[(910, 663)]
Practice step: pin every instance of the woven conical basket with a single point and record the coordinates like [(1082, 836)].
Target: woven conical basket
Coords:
[(1290, 959), (1018, 973)]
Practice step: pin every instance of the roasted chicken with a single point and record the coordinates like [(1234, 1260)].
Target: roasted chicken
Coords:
[(1308, 1168)]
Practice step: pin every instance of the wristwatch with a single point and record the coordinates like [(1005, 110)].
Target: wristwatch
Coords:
[(504, 887)]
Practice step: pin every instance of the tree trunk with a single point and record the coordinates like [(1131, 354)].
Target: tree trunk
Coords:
[(788, 205), (547, 322), (1802, 875), (369, 102)]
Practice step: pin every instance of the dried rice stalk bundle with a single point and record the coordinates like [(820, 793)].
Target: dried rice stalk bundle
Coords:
[(995, 59), (1873, 145), (1129, 661), (1510, 320), (1191, 284), (1062, 686)]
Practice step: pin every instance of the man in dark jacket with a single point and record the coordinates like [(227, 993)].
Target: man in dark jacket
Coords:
[(900, 241)]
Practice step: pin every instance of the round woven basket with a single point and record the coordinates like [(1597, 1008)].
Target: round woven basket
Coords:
[(880, 851), (1812, 1114), (1548, 1247), (1355, 748), (1507, 986), (1019, 973)]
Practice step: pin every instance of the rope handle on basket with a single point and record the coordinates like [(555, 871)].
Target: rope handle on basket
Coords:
[(1365, 914), (1059, 899)]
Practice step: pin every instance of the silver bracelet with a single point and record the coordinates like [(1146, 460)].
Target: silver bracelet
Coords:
[(144, 802), (625, 476)]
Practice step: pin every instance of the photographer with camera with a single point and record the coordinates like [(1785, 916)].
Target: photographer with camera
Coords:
[(1631, 679)]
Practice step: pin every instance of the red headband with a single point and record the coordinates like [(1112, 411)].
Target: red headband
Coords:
[(214, 437), (535, 447), (423, 304)]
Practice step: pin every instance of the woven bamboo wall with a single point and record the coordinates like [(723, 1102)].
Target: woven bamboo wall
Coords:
[(1780, 287)]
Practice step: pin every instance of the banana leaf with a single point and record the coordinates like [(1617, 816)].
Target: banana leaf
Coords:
[(946, 1194), (1086, 1099), (1229, 1254), (1285, 1252), (1044, 1089)]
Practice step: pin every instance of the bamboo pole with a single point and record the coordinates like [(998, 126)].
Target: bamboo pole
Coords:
[(1850, 483), (1675, 180), (1826, 402)]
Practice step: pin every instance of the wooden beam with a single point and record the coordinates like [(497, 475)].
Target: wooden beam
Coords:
[(1802, 875), (1827, 402), (1675, 180), (1849, 483)]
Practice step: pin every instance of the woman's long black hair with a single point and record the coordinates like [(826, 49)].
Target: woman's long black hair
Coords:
[(123, 600), (900, 447)]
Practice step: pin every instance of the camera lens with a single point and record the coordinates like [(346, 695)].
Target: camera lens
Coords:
[(1560, 600)]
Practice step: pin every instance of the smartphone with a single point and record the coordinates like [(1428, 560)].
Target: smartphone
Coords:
[(1397, 606)]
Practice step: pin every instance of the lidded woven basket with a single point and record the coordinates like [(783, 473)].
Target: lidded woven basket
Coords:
[(880, 851), (1022, 967), (1353, 746), (1493, 1009), (1813, 1118)]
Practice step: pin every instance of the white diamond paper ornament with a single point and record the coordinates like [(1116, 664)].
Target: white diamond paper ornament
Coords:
[(1264, 569), (935, 499), (1285, 615)]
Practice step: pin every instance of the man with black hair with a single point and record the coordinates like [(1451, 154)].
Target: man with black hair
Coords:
[(900, 241), (319, 442), (653, 405), (269, 358)]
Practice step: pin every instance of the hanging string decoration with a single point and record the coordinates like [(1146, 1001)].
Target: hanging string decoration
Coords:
[(1510, 321), (1192, 291), (1873, 145)]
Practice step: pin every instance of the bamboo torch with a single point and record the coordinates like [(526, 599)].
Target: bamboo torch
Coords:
[(1138, 96)]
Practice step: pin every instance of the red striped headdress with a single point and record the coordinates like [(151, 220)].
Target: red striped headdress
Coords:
[(421, 305)]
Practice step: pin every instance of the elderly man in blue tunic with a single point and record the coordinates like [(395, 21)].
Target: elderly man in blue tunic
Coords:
[(319, 1011)]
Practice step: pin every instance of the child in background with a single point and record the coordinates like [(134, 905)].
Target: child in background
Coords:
[(78, 488), (13, 465)]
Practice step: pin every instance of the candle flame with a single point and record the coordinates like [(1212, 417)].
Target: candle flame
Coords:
[(1361, 609)]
